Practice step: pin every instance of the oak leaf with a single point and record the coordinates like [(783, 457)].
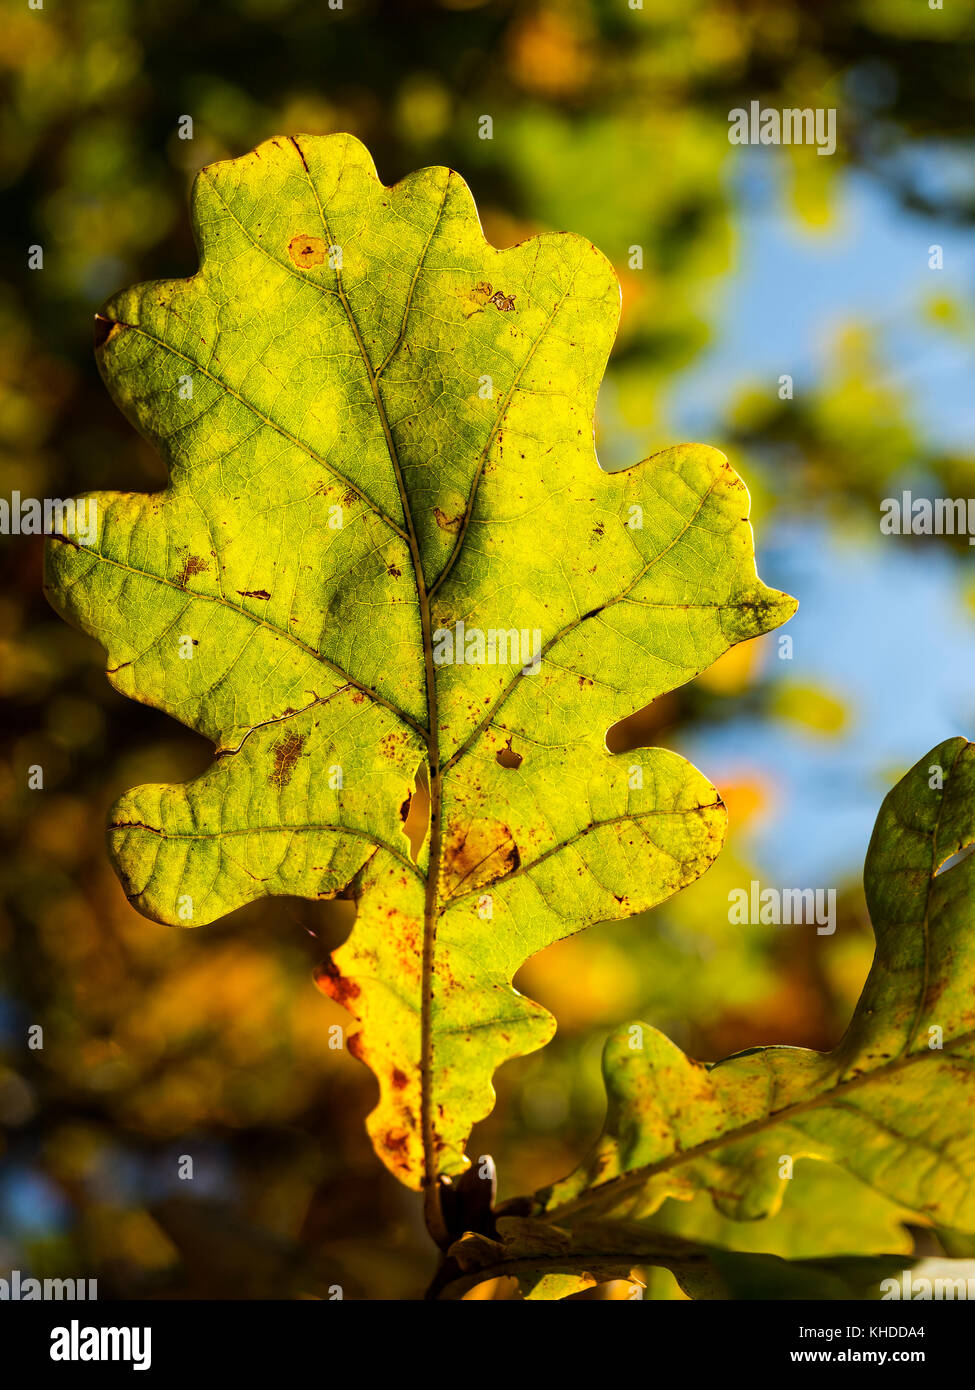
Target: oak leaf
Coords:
[(387, 551)]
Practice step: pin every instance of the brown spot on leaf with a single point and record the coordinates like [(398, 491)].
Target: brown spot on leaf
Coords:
[(253, 593), (396, 1143), (336, 986), (448, 523), (307, 251), (286, 754), (478, 854), (194, 565), (399, 1079), (389, 745)]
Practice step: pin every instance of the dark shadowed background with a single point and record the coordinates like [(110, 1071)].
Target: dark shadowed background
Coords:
[(757, 263)]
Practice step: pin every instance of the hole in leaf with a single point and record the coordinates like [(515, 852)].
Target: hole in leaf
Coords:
[(507, 757), (955, 859), (415, 813)]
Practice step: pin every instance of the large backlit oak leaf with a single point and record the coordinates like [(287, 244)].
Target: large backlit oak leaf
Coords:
[(378, 427), (892, 1104)]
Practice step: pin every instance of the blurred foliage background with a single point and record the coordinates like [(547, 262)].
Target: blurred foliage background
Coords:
[(611, 122)]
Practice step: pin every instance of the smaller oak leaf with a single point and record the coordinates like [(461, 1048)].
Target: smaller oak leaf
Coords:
[(892, 1103)]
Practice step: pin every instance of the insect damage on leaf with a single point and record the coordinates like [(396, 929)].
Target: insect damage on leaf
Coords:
[(286, 754), (392, 484), (504, 302), (892, 1104), (448, 523)]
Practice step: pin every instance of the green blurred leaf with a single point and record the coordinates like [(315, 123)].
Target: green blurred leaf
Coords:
[(551, 1262)]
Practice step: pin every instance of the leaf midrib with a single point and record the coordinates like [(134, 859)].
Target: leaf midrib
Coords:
[(925, 917)]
